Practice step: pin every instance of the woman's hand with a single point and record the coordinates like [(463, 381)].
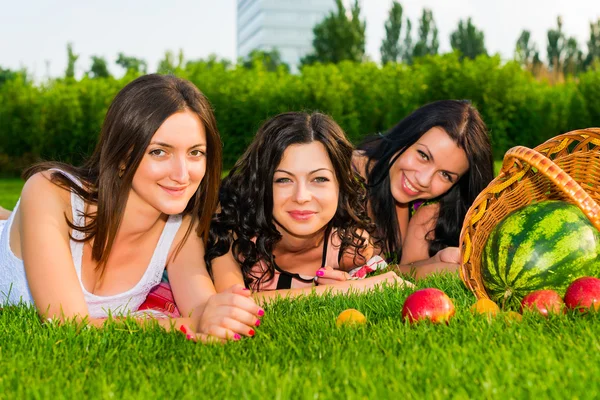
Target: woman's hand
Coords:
[(390, 278), (329, 276), (228, 315), (448, 255)]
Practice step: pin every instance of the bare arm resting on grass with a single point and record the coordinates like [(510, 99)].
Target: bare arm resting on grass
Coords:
[(226, 272), (43, 241)]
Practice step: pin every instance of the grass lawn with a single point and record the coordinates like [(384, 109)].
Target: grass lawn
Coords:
[(298, 352)]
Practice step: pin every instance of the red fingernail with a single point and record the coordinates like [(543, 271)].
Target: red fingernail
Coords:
[(189, 337), (257, 323), (182, 329), (236, 337), (245, 288), (261, 312), (320, 273), (251, 333)]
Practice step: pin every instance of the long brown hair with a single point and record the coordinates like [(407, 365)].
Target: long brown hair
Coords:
[(135, 114)]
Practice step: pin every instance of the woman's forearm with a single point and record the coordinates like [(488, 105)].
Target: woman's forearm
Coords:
[(423, 268)]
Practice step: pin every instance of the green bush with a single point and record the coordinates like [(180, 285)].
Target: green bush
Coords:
[(61, 119)]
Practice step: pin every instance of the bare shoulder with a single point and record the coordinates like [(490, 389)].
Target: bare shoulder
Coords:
[(193, 243), (40, 192)]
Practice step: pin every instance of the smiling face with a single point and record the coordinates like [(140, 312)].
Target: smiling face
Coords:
[(173, 164), (305, 190), (428, 168)]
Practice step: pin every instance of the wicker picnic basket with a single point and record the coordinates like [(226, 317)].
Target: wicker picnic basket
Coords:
[(566, 167)]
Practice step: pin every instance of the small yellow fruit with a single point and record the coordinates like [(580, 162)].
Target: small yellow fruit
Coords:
[(510, 316), (485, 306), (351, 317)]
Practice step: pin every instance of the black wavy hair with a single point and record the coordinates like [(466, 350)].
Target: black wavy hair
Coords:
[(246, 194), (464, 125)]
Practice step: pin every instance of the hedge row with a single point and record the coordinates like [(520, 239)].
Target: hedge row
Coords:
[(61, 119)]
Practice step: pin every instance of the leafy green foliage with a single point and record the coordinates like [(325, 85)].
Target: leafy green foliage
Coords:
[(61, 120), (340, 36), (428, 43), (391, 50), (99, 68), (71, 60), (270, 60), (468, 40), (131, 64)]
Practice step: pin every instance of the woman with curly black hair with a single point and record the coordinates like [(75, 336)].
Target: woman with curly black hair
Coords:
[(423, 175), (293, 213)]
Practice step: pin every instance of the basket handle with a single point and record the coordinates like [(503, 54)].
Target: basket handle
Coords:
[(550, 170)]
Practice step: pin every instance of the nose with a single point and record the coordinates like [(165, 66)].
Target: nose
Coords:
[(302, 194), (179, 170), (424, 177)]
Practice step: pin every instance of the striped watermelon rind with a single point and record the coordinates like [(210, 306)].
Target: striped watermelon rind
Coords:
[(545, 245)]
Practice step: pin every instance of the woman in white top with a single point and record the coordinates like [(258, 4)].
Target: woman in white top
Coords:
[(88, 242)]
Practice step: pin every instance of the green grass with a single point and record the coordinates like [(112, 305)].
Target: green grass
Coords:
[(298, 352), (10, 190)]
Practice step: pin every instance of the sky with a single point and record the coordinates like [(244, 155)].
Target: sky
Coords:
[(34, 33)]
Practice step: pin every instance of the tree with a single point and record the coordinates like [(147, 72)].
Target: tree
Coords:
[(556, 46), (525, 50), (391, 50), (468, 40), (7, 75), (340, 36), (593, 45), (573, 62), (99, 68), (71, 59), (428, 40), (131, 64), (408, 47), (270, 60), (213, 61)]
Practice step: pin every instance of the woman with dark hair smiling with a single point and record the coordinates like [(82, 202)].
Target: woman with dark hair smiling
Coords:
[(88, 242), (292, 214), (422, 177)]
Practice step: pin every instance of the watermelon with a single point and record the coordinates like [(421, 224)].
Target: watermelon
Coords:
[(544, 245)]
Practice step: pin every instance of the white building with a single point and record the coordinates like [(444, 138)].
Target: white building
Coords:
[(286, 25)]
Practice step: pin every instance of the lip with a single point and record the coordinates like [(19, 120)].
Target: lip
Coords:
[(174, 191), (301, 215), (406, 189)]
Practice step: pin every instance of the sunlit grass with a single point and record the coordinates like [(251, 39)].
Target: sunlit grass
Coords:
[(298, 352)]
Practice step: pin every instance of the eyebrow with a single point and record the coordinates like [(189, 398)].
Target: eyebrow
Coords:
[(310, 173), (431, 157), (169, 146)]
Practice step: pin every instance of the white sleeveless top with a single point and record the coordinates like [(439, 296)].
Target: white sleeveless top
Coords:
[(13, 281)]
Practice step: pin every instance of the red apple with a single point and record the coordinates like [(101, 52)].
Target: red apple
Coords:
[(430, 303), (543, 301), (583, 294)]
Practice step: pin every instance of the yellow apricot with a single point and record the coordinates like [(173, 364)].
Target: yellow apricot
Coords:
[(351, 317), (485, 306)]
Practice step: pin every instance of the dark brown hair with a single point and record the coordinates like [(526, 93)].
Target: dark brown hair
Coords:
[(246, 195), (464, 125), (132, 119)]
